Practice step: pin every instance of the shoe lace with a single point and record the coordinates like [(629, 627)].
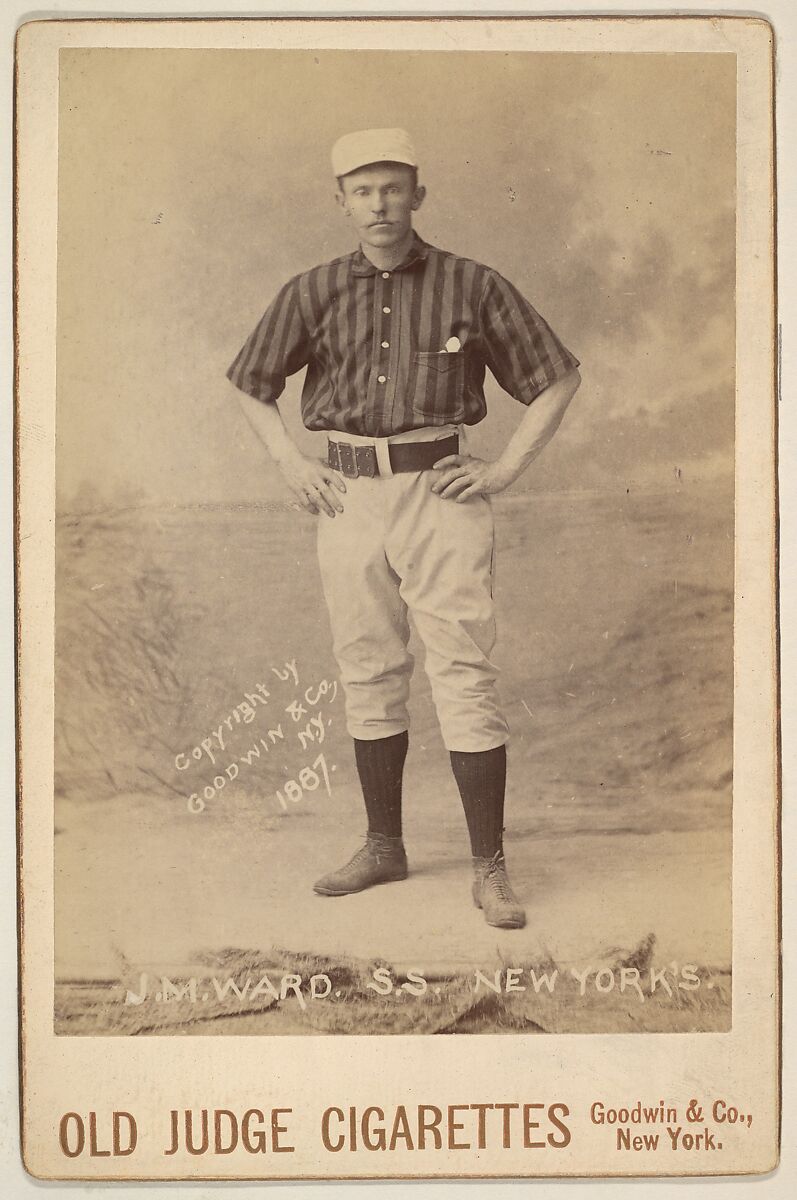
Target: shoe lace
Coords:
[(372, 847), (495, 876), (358, 856)]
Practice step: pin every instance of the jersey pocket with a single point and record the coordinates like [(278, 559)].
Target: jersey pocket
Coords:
[(438, 386)]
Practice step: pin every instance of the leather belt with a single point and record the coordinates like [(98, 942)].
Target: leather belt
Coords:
[(352, 460)]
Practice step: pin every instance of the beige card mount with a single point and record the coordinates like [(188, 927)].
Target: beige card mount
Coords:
[(194, 1005)]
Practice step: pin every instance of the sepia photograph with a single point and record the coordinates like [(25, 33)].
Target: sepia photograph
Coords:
[(312, 349), (396, 581)]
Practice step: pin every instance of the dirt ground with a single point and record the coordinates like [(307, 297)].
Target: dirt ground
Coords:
[(615, 625)]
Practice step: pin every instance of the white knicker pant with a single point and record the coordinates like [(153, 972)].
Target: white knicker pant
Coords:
[(398, 546)]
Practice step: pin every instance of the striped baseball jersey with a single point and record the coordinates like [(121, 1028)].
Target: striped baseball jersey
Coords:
[(389, 351)]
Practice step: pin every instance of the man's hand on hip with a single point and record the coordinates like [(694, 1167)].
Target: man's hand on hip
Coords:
[(462, 476), (312, 483)]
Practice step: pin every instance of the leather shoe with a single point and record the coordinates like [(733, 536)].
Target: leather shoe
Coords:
[(492, 892), (381, 859)]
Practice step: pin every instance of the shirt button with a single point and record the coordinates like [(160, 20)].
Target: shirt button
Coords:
[(385, 274), (385, 345), (381, 379), (386, 309)]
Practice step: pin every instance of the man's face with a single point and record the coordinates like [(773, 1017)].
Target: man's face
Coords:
[(380, 200)]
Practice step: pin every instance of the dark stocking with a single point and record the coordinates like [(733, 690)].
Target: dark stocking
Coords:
[(481, 779), (380, 765)]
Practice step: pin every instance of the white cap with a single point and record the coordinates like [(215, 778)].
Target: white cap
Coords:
[(366, 146)]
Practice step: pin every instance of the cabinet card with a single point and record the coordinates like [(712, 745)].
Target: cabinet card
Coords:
[(543, 250)]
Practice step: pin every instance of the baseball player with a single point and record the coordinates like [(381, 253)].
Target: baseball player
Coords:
[(396, 338)]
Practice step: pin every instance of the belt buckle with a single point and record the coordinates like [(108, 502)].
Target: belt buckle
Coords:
[(365, 457), (348, 460)]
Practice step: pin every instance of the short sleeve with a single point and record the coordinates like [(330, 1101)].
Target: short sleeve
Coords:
[(522, 351), (278, 346)]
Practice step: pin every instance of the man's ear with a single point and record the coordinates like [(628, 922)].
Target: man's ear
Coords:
[(417, 199), (342, 201)]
